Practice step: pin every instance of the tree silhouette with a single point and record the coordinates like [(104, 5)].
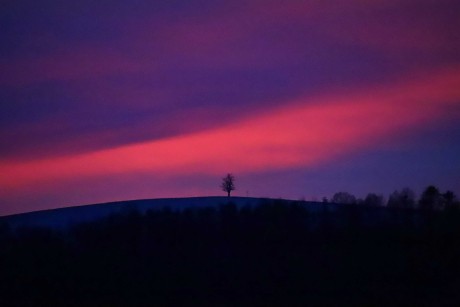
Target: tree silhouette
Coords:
[(374, 200), (449, 199), (430, 199), (343, 198), (228, 184), (402, 199)]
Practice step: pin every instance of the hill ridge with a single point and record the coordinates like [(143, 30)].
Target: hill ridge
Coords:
[(67, 216)]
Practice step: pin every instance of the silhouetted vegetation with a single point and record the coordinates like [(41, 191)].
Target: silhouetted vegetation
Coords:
[(228, 184), (277, 253), (373, 199), (402, 199), (431, 199), (343, 198)]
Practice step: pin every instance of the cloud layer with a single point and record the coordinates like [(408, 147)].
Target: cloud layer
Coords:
[(199, 88)]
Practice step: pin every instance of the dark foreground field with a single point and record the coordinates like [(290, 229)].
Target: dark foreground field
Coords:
[(276, 253)]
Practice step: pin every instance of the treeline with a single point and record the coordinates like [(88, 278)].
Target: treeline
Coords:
[(430, 199), (277, 253)]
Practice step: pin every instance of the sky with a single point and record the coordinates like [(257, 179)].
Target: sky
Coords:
[(114, 100)]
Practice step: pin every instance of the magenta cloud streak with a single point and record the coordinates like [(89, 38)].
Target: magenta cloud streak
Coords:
[(91, 91)]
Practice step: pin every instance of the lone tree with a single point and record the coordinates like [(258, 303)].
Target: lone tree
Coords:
[(228, 184)]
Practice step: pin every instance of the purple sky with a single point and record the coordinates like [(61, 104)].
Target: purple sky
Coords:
[(112, 100)]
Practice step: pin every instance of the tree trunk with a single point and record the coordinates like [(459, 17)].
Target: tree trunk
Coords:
[(228, 193)]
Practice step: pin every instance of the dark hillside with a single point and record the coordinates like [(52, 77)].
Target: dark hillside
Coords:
[(274, 253)]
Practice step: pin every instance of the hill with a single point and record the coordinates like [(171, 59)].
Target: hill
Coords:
[(68, 216), (216, 251)]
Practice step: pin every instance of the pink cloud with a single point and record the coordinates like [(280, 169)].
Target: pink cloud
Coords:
[(306, 132)]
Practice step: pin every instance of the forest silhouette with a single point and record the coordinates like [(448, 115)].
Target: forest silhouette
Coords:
[(278, 252)]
